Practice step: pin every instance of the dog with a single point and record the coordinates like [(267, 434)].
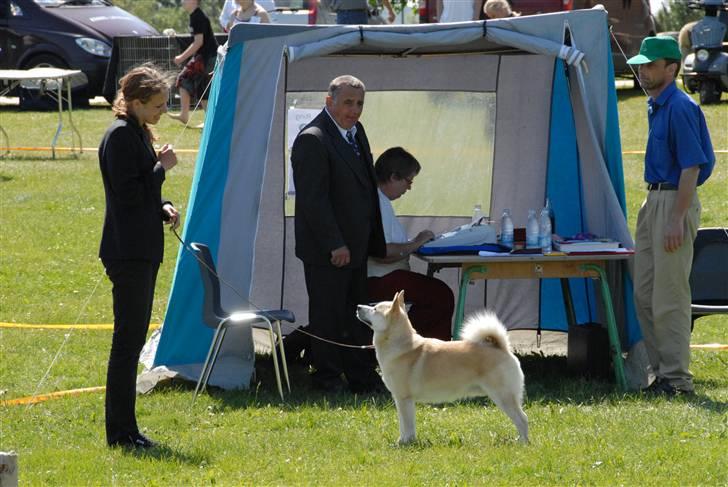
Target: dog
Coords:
[(418, 369)]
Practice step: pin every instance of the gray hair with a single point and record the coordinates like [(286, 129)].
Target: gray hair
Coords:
[(345, 80)]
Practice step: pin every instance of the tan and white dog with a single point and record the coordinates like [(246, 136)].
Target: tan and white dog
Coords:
[(418, 369)]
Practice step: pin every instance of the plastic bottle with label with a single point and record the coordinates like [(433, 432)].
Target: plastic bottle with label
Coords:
[(506, 229), (477, 214), (544, 230), (532, 230)]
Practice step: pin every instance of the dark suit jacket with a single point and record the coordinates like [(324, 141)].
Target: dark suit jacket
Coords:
[(336, 195), (133, 228)]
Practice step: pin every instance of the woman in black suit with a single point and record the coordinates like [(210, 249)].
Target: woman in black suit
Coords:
[(132, 242)]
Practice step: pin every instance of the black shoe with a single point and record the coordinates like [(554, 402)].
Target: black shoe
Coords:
[(133, 440), (661, 387)]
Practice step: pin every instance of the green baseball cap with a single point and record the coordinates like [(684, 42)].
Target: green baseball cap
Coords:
[(654, 48)]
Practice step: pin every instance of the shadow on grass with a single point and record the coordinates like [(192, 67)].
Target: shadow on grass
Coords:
[(45, 155), (165, 453), (548, 381)]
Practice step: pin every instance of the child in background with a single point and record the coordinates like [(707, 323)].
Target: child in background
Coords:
[(248, 11), (200, 58)]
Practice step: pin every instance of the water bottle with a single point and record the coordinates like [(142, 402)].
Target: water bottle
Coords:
[(532, 230), (506, 229), (552, 217), (477, 214), (544, 230)]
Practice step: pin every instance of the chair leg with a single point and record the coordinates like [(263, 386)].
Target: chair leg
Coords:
[(283, 355), (203, 372), (213, 361), (275, 359)]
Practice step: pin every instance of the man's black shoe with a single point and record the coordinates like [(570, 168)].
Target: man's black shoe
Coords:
[(661, 387), (133, 440)]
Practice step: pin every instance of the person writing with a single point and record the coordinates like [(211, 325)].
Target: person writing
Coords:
[(132, 241), (432, 301), (337, 226), (679, 157)]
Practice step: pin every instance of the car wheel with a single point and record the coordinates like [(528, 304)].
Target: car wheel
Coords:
[(709, 92), (31, 97)]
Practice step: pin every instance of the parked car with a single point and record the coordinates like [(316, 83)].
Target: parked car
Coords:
[(74, 34)]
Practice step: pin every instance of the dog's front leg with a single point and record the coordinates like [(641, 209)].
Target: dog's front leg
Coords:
[(406, 414)]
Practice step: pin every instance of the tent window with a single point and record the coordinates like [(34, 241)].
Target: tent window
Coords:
[(451, 133)]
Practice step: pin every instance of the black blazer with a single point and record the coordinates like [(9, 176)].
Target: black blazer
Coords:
[(336, 195), (133, 228)]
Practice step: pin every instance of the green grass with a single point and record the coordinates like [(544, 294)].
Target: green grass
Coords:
[(583, 432)]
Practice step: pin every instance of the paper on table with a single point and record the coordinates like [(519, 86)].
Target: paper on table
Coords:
[(488, 253)]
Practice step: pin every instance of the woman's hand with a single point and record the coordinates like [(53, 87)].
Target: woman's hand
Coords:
[(171, 215), (424, 236), (167, 157)]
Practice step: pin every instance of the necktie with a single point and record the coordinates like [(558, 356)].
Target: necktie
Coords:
[(352, 142)]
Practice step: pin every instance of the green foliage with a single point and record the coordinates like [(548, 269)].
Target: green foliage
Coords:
[(164, 14), (676, 14)]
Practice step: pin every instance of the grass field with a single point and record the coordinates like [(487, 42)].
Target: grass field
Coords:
[(583, 432)]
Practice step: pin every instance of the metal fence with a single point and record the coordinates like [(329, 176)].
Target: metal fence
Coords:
[(132, 51)]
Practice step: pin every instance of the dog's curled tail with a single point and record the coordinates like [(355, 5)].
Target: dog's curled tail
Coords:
[(486, 327)]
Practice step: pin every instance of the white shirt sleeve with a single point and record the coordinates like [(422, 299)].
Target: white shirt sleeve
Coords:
[(226, 13)]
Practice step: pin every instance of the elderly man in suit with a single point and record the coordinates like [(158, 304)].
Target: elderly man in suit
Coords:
[(337, 226)]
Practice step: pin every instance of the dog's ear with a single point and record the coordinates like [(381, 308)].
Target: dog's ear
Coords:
[(399, 301)]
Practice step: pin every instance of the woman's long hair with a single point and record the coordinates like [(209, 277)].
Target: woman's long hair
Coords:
[(140, 83)]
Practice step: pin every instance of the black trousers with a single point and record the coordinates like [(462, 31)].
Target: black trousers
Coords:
[(133, 292), (333, 294)]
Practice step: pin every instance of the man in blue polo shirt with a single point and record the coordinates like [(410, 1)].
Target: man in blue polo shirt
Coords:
[(679, 158)]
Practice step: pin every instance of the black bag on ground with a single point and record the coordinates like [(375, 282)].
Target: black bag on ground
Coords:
[(588, 352)]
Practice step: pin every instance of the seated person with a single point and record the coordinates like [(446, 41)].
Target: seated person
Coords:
[(432, 300)]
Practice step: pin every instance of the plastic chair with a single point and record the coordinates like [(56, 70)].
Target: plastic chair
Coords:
[(216, 317), (709, 275)]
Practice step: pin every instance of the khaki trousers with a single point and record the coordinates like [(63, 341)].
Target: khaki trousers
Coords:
[(662, 288)]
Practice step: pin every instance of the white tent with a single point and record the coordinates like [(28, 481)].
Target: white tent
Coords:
[(504, 113)]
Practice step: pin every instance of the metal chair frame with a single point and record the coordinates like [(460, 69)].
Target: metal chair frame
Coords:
[(215, 317)]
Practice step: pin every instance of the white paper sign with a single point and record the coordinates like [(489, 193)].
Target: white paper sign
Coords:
[(298, 118)]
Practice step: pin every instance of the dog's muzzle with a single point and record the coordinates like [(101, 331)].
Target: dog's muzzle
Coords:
[(361, 314)]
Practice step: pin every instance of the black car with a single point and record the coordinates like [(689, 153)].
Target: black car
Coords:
[(76, 34)]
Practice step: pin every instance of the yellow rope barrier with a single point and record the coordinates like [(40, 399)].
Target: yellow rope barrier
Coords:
[(51, 395), (152, 326)]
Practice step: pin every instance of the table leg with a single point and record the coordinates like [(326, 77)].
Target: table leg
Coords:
[(460, 307), (7, 141), (60, 117), (70, 120), (611, 326)]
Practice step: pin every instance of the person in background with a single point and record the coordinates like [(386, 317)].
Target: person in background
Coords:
[(200, 58), (248, 11), (432, 300), (337, 226), (457, 10), (498, 9), (355, 12), (132, 241), (679, 157), (230, 6)]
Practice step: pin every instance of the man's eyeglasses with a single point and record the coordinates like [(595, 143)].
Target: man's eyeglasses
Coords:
[(409, 180)]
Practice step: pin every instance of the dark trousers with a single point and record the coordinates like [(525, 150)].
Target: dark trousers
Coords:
[(133, 292), (432, 300), (333, 294)]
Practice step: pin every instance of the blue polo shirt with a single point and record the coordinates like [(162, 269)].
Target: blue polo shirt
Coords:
[(678, 138)]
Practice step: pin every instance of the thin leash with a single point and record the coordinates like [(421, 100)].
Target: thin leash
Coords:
[(187, 247), (63, 343), (624, 55)]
